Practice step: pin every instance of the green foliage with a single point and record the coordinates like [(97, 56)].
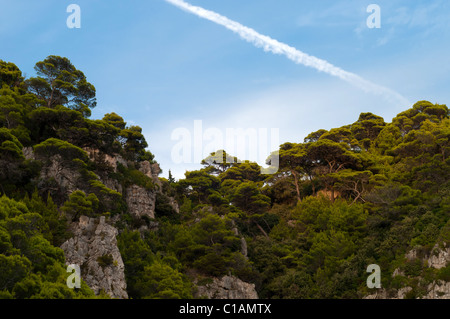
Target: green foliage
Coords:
[(57, 232), (13, 269), (149, 276), (248, 197), (60, 83), (367, 129), (245, 171), (444, 274), (413, 118), (134, 144), (108, 200), (105, 260), (386, 191), (163, 208), (444, 236), (13, 110), (115, 120), (160, 281), (133, 176), (209, 246), (219, 161), (80, 204), (30, 266), (67, 151), (346, 197), (198, 185), (171, 178), (293, 285), (314, 136), (10, 75), (413, 268), (12, 164), (11, 148)]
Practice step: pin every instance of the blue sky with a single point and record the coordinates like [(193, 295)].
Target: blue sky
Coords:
[(162, 68)]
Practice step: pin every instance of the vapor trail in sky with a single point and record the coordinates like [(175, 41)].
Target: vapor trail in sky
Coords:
[(297, 56)]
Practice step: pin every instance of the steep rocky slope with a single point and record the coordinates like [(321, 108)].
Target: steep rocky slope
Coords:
[(94, 249), (437, 259), (94, 245), (227, 287)]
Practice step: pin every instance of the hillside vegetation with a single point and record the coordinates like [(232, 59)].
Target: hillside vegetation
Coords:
[(344, 198)]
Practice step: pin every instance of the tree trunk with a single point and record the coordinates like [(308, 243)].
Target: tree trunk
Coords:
[(296, 185), (312, 185), (261, 229), (49, 102)]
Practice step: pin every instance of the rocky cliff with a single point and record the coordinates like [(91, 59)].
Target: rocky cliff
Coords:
[(94, 249), (94, 246), (140, 201), (438, 258), (227, 287)]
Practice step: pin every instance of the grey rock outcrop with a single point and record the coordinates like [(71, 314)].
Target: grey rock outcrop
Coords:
[(94, 249), (438, 258), (111, 160), (244, 249), (384, 294), (94, 245), (228, 287), (380, 294), (65, 177), (152, 171), (111, 184), (141, 202), (401, 293), (174, 205), (438, 290), (28, 153)]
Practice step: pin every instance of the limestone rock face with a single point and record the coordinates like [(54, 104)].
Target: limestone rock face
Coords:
[(438, 290), (392, 294), (380, 294), (98, 156), (65, 177), (141, 202), (244, 249), (174, 204), (28, 153), (401, 293), (111, 184), (152, 171), (94, 245), (439, 257), (94, 249), (228, 287)]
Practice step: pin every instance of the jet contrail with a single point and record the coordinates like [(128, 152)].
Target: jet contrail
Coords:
[(299, 57)]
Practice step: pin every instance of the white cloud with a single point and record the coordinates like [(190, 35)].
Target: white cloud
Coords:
[(296, 110)]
